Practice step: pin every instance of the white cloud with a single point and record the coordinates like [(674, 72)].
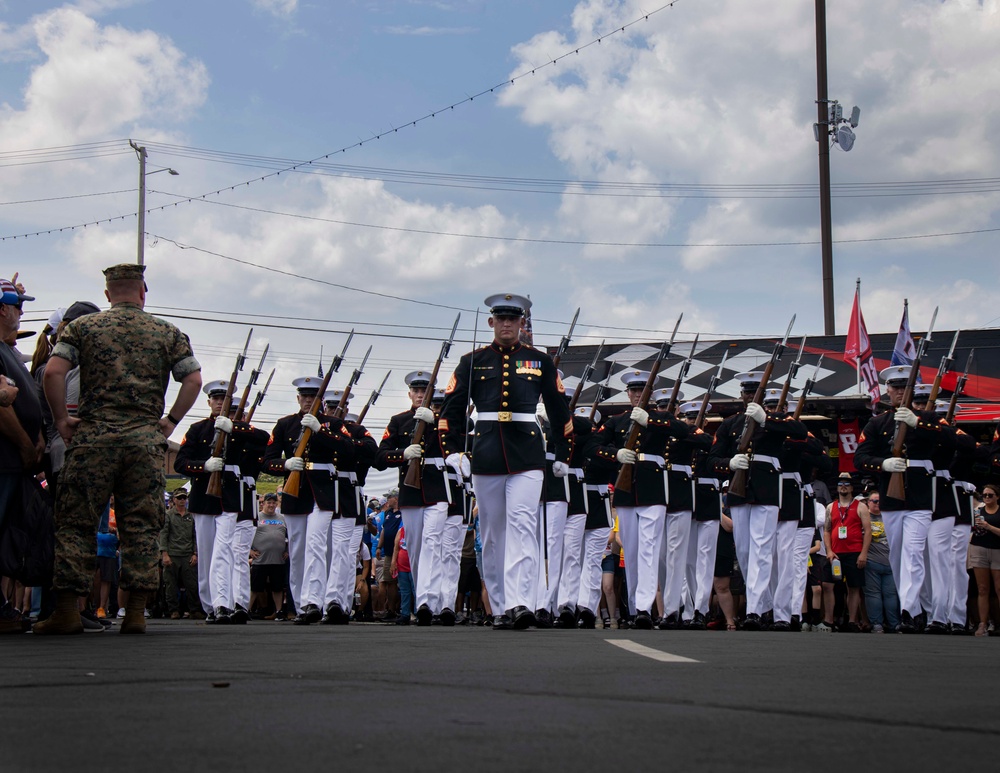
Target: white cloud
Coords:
[(280, 8)]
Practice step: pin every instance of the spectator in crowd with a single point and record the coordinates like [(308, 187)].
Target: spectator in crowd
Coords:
[(847, 533), (609, 568), (725, 558), (21, 440), (984, 552), (881, 599), (361, 595), (179, 554), (107, 560), (470, 582), (400, 569), (392, 520), (268, 555)]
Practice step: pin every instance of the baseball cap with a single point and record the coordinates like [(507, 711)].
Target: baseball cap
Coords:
[(10, 295)]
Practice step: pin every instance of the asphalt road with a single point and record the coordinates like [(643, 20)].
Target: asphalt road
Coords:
[(278, 697)]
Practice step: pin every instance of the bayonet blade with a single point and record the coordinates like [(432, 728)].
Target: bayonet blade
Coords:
[(930, 331), (676, 327), (788, 332), (340, 357), (242, 358), (361, 368), (690, 358), (446, 346)]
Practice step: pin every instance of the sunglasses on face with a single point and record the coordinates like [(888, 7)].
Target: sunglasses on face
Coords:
[(988, 495)]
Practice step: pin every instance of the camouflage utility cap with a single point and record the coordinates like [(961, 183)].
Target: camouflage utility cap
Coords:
[(124, 271)]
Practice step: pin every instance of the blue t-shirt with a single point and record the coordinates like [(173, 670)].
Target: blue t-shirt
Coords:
[(391, 522)]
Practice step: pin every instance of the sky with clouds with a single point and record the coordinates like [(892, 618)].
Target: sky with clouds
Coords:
[(671, 167)]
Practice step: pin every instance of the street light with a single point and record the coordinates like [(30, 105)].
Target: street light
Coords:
[(140, 151)]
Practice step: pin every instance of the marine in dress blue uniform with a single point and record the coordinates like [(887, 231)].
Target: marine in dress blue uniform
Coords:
[(505, 381)]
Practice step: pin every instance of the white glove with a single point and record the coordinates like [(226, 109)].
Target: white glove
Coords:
[(413, 451), (459, 463), (626, 456), (296, 463), (740, 461), (755, 412), (640, 416), (215, 464), (224, 424), (560, 469), (906, 416), (425, 415), (310, 422), (894, 464)]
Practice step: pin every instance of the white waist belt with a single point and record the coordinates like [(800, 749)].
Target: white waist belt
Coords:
[(578, 472), (651, 458), (792, 476), (709, 482), (505, 416), (927, 464), (808, 488), (597, 489), (346, 475), (250, 481), (550, 457), (946, 474), (967, 487), (327, 466), (435, 461), (233, 468), (772, 460), (685, 468)]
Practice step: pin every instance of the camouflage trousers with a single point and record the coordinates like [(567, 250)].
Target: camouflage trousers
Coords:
[(91, 474)]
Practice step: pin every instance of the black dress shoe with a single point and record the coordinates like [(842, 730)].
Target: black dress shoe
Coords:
[(424, 615), (781, 626), (402, 620), (567, 617), (643, 621), (752, 622), (959, 630), (543, 618), (502, 623), (936, 628), (239, 616), (698, 623), (521, 617), (448, 618), (588, 620), (309, 614), (796, 624), (906, 623), (335, 614), (222, 616), (669, 623), (210, 617)]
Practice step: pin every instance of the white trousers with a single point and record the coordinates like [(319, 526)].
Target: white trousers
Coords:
[(594, 543), (754, 530), (700, 568), (204, 535), (508, 519), (643, 552), (935, 596), (906, 531), (628, 533), (308, 545), (959, 598), (554, 514), (783, 573), (572, 561), (243, 532), (676, 537), (803, 542), (451, 565), (424, 540), (344, 538)]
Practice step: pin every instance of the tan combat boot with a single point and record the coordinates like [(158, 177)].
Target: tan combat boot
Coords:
[(135, 619), (64, 620)]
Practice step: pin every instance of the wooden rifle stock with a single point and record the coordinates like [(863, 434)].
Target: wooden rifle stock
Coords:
[(291, 486), (625, 474), (959, 387), (412, 478), (587, 373), (214, 488)]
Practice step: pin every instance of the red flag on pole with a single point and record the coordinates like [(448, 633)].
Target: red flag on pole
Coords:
[(858, 349)]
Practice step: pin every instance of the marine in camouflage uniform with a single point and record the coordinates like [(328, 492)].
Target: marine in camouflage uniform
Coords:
[(118, 441)]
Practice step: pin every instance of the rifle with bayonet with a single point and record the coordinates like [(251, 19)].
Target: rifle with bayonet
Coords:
[(292, 484), (738, 482), (809, 386), (712, 385), (897, 480), (260, 397), (564, 343), (959, 386), (588, 371), (214, 488), (602, 390), (376, 393), (254, 375), (793, 370), (412, 478), (341, 410), (944, 367), (681, 375), (624, 481)]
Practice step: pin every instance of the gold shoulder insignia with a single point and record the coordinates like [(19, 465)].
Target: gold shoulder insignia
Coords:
[(452, 383)]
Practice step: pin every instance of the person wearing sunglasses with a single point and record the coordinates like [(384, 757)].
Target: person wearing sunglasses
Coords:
[(984, 552)]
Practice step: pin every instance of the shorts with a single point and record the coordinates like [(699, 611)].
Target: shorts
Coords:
[(725, 554), (816, 572), (609, 563), (382, 573), (849, 569), (108, 566), (469, 580), (268, 577), (984, 558)]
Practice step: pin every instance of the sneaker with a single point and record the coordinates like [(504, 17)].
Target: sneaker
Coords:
[(877, 629), (807, 628), (90, 624), (823, 628), (145, 613), (121, 612), (101, 614)]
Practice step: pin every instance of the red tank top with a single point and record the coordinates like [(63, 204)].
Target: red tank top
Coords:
[(846, 516)]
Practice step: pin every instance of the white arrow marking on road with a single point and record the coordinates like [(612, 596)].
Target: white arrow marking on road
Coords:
[(649, 652)]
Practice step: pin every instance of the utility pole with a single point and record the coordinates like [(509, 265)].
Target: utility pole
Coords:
[(141, 152), (823, 119)]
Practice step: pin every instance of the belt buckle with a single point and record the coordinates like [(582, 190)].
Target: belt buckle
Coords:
[(309, 466), (505, 416)]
